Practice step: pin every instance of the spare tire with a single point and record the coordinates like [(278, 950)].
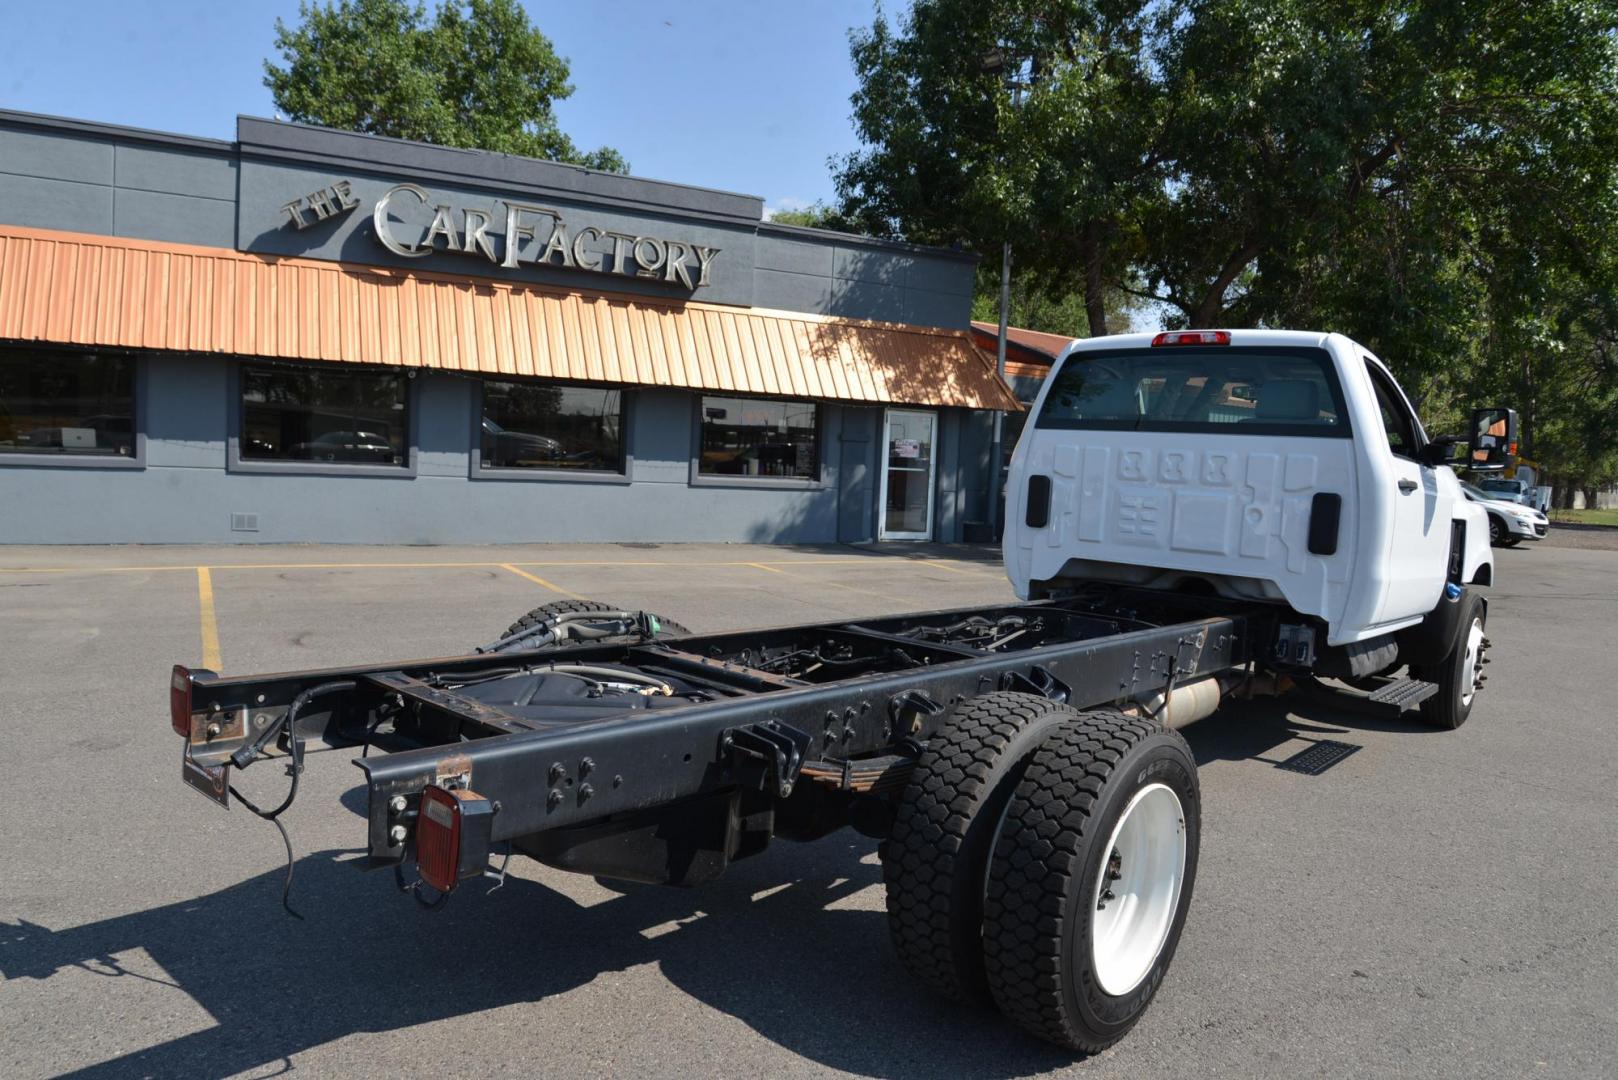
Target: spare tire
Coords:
[(546, 612)]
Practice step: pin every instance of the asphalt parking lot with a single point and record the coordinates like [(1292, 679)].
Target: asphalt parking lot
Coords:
[(1438, 904)]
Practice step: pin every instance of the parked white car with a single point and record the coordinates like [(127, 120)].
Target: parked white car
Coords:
[(1506, 489), (1510, 522)]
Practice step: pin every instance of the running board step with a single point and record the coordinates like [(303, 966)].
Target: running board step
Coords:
[(1401, 696)]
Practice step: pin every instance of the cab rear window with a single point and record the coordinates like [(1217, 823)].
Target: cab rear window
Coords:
[(1239, 391)]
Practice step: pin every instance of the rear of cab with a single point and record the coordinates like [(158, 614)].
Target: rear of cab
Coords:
[(1275, 465)]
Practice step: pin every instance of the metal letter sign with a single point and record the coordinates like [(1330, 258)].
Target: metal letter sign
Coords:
[(328, 202), (411, 224)]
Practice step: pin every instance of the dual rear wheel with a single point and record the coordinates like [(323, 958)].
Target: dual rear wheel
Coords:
[(1043, 859)]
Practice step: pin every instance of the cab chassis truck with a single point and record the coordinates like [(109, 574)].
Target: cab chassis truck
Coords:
[(1193, 518)]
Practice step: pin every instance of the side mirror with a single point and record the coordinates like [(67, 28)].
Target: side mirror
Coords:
[(1493, 441)]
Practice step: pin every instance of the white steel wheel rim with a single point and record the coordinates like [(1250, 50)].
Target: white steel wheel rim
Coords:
[(1137, 889), (1472, 664)]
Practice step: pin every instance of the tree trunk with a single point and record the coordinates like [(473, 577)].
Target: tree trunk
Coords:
[(1525, 436), (1207, 312), (1095, 291)]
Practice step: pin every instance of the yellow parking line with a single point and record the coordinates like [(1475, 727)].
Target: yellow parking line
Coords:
[(761, 566), (835, 584), (942, 565), (540, 581), (210, 623)]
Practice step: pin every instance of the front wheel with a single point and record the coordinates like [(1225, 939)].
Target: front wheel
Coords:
[(1460, 674), (1497, 531), (1091, 879)]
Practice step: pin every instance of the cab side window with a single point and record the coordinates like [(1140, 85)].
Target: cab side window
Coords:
[(1396, 419)]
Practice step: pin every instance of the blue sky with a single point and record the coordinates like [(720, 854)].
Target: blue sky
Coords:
[(749, 97)]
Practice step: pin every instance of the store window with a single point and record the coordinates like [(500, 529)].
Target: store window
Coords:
[(348, 417), (537, 425), (58, 403), (749, 437)]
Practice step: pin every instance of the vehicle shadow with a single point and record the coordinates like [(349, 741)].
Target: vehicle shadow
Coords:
[(1252, 731), (770, 944)]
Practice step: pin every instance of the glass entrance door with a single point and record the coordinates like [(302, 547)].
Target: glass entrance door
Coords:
[(907, 475)]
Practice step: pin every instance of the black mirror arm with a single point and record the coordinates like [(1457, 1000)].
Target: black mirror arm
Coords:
[(1440, 450)]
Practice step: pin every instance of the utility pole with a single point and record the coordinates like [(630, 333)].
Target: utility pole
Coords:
[(997, 452), (996, 62)]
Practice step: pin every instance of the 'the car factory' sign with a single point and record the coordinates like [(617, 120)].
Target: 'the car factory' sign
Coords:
[(509, 234), (409, 223)]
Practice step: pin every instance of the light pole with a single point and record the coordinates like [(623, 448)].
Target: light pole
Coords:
[(997, 449), (996, 63)]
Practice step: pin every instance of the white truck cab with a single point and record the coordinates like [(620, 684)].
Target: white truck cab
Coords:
[(1264, 464)]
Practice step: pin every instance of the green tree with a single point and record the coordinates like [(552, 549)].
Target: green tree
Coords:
[(817, 215), (477, 75), (1053, 307), (1435, 178), (1028, 120), (1373, 149)]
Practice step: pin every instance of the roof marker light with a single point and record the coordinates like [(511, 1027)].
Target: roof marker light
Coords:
[(1192, 337)]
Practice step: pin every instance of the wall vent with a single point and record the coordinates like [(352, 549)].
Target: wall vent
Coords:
[(244, 523)]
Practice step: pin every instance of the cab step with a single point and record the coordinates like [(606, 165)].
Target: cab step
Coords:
[(1401, 696)]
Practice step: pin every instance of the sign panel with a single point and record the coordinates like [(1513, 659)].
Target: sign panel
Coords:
[(413, 223)]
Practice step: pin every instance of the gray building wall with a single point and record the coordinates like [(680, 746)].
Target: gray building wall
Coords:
[(187, 493), (85, 177), (80, 176)]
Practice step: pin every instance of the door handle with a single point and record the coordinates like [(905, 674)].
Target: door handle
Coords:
[(1407, 486)]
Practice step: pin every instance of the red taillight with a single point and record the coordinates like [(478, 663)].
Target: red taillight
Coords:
[(180, 701), (438, 838), (1192, 337), (453, 829)]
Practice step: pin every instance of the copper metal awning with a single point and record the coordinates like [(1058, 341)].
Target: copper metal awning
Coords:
[(80, 289)]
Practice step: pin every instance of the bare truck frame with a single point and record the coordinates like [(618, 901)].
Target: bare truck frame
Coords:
[(594, 741)]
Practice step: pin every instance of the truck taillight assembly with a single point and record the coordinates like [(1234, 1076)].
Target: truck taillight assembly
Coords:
[(1192, 337), (452, 836), (180, 700)]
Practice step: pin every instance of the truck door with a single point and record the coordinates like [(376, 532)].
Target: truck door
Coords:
[(1418, 550)]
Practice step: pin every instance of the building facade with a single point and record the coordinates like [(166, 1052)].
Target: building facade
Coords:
[(306, 335)]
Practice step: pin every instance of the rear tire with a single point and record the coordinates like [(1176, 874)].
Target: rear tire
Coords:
[(1091, 879), (934, 859), (546, 612), (1458, 675)]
